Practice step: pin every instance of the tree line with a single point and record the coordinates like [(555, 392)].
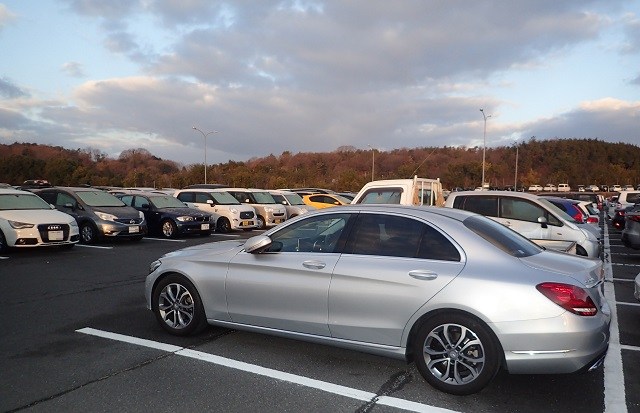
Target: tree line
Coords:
[(572, 161)]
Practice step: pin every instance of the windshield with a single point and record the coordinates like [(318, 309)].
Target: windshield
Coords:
[(263, 198), (557, 211), (22, 201), (294, 199), (224, 198), (99, 199), (166, 202), (507, 240)]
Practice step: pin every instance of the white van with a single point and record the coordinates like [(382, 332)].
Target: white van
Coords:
[(269, 212), (530, 215), (233, 214), (416, 191)]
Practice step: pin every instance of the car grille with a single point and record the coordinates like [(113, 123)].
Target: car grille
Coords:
[(246, 214), (202, 219), (129, 221), (44, 229), (278, 214)]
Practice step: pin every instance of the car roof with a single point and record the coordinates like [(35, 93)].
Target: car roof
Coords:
[(13, 191), (423, 211), (496, 193)]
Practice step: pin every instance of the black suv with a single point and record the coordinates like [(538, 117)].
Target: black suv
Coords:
[(98, 213)]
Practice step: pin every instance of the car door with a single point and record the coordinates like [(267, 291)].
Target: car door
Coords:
[(392, 265), (286, 286), (521, 215)]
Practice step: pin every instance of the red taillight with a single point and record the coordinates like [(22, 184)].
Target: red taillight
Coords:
[(578, 217), (634, 217), (593, 220), (569, 297)]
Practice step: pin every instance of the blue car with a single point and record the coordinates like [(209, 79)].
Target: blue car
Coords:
[(168, 216)]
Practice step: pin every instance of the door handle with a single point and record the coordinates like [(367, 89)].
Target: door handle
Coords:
[(314, 265), (423, 274)]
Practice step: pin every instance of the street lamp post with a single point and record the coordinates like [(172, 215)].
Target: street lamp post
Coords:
[(515, 183), (484, 146), (204, 135), (373, 160)]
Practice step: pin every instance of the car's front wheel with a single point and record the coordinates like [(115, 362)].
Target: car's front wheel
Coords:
[(88, 233), (177, 306), (262, 224), (3, 243), (456, 353), (169, 229), (224, 225)]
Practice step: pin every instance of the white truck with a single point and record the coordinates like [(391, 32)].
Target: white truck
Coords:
[(416, 191)]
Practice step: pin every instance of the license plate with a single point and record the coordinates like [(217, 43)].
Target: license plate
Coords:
[(56, 236), (277, 221), (134, 229), (204, 227), (246, 223)]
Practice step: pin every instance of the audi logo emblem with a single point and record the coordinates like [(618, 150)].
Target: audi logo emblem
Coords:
[(54, 227)]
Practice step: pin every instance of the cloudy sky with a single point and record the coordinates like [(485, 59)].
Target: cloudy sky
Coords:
[(310, 76)]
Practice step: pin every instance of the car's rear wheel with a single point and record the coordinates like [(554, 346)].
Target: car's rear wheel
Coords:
[(169, 229), (261, 222), (224, 225), (88, 233), (177, 306), (456, 353)]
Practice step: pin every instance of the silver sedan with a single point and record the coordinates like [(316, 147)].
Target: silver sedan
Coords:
[(457, 293)]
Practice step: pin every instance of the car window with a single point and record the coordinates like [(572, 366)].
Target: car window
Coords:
[(99, 199), (294, 199), (317, 234), (381, 196), (263, 198), (505, 239), (223, 198), (127, 199), (395, 236), (483, 205), (22, 201), (521, 210), (186, 197), (140, 200), (64, 199), (202, 198)]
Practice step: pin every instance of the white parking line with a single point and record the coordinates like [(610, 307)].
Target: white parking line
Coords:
[(164, 239), (632, 348), (614, 391), (267, 372), (93, 246), (4, 258)]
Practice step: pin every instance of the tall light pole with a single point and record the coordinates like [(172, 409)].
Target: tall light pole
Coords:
[(373, 160), (515, 181), (204, 135), (484, 146)]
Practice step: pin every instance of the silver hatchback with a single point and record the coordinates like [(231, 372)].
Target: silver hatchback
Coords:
[(457, 293)]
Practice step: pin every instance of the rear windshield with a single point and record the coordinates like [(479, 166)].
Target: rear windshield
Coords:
[(507, 240)]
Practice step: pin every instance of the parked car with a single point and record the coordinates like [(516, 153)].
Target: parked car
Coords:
[(395, 281), (592, 214), (573, 208), (26, 220), (324, 200), (616, 188), (233, 214), (593, 188), (169, 217), (564, 188), (618, 220), (628, 188), (292, 202), (631, 231), (550, 188), (535, 188), (415, 191), (528, 214), (268, 212), (636, 289), (99, 214)]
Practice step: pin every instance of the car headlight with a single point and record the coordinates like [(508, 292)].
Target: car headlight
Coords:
[(141, 216), (185, 219), (20, 225), (268, 209), (154, 266), (233, 210), (73, 223), (106, 217)]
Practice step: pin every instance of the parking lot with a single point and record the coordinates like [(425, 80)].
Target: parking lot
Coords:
[(77, 337)]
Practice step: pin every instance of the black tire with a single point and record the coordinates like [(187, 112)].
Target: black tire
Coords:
[(224, 226), (88, 233), (177, 306), (262, 223), (456, 353), (168, 229), (3, 243)]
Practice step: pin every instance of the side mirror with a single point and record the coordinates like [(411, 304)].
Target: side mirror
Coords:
[(543, 222), (211, 203), (257, 244), (144, 206), (69, 205)]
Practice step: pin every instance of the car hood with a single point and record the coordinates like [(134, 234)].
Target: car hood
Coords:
[(208, 249), (37, 216), (184, 211), (585, 271), (118, 211)]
